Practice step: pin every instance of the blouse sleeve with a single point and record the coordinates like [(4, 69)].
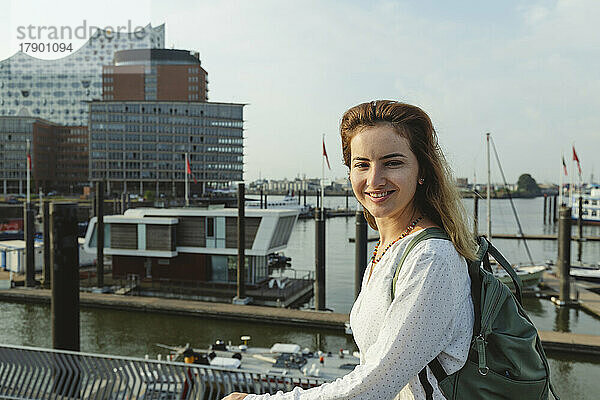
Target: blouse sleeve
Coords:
[(417, 327)]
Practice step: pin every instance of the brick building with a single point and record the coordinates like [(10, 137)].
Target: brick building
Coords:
[(155, 74)]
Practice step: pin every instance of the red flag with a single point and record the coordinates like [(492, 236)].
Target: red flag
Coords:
[(29, 161), (564, 165), (189, 170), (575, 158), (325, 154)]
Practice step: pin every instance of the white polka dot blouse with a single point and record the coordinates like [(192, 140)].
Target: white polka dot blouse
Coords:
[(430, 316)]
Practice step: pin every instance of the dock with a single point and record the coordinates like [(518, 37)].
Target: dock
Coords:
[(589, 294), (552, 341), (191, 308)]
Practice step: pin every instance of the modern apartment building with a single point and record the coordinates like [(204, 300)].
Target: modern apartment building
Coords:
[(59, 155), (155, 74), (141, 145), (56, 90)]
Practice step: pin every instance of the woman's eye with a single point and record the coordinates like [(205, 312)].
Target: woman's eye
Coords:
[(361, 165), (394, 163)]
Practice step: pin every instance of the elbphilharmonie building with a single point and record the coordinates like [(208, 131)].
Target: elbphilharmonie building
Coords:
[(58, 90)]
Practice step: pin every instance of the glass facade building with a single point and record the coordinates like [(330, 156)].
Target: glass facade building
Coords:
[(59, 155), (56, 90), (141, 145)]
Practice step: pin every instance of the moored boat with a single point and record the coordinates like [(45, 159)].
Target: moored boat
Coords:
[(590, 199), (285, 359)]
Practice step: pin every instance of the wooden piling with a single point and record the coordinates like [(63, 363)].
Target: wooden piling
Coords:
[(319, 260), (545, 207), (346, 199), (29, 245), (261, 199), (304, 197), (100, 233), (318, 199), (554, 218), (360, 257), (64, 260), (241, 243), (476, 214), (564, 254), (46, 267), (64, 304)]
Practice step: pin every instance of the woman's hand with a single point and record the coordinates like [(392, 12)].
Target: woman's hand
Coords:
[(235, 396)]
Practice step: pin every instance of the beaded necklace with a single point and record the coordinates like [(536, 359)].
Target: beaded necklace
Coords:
[(408, 230)]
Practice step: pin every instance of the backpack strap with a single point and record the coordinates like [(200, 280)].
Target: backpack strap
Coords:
[(427, 233), (473, 268), (427, 388)]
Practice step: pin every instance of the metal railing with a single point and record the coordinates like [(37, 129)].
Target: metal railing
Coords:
[(36, 373)]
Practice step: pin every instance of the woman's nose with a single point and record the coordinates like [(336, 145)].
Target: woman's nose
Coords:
[(376, 177)]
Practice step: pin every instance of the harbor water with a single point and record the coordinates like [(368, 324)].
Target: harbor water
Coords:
[(136, 334)]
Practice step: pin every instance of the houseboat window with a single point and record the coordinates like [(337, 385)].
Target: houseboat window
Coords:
[(224, 269), (218, 268), (232, 269), (210, 227), (594, 213)]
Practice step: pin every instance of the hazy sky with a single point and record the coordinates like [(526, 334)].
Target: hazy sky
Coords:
[(527, 71)]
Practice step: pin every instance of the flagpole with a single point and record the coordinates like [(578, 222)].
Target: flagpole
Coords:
[(187, 193), (323, 181), (560, 184), (570, 203)]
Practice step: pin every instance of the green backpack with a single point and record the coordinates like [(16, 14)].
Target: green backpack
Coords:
[(506, 359)]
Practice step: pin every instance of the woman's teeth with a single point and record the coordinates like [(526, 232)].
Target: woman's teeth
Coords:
[(379, 194)]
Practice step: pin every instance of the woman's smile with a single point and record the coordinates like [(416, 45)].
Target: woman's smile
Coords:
[(379, 197)]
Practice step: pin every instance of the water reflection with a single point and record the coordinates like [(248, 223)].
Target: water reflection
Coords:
[(561, 320)]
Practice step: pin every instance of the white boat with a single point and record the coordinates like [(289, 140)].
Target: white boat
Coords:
[(289, 202), (530, 275), (590, 205), (586, 274), (285, 359)]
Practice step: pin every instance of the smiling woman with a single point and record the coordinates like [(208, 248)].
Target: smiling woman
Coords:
[(399, 175)]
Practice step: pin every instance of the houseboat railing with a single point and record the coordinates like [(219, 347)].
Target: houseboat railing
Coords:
[(286, 287), (36, 373)]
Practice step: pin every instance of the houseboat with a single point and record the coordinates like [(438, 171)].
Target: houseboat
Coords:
[(192, 253), (590, 206)]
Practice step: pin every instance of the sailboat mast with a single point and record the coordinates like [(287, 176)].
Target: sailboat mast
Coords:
[(489, 197)]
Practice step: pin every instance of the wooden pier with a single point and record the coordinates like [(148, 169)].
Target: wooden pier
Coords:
[(554, 341)]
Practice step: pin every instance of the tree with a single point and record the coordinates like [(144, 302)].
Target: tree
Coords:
[(527, 186)]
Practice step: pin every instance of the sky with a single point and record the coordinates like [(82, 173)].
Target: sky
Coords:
[(527, 71)]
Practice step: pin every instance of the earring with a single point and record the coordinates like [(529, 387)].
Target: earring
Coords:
[(421, 181)]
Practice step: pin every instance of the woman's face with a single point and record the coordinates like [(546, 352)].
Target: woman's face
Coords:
[(383, 171)]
